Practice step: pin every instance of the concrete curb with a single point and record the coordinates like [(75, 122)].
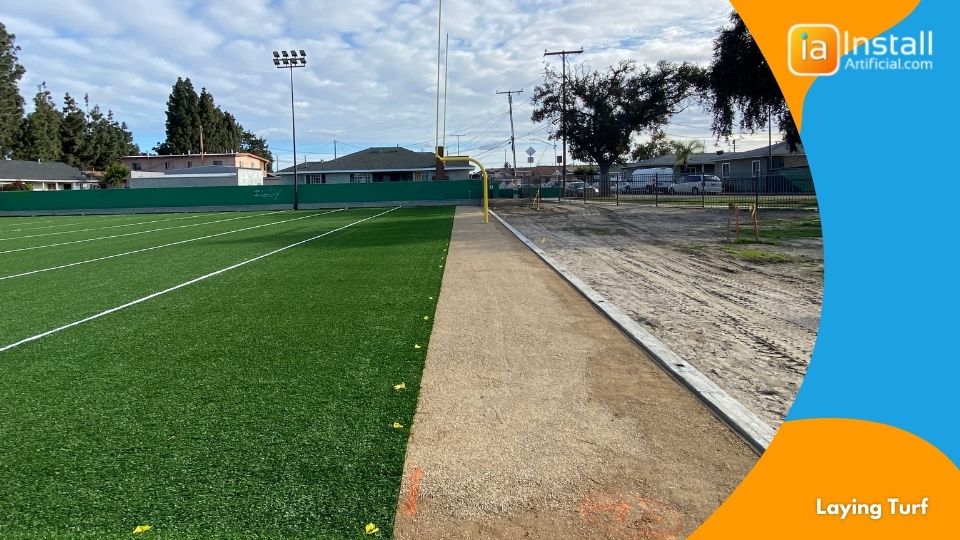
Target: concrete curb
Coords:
[(744, 423)]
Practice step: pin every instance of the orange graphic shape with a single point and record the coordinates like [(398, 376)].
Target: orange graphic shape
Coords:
[(838, 461), (770, 24)]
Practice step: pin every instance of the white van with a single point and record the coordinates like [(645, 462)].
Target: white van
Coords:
[(650, 180)]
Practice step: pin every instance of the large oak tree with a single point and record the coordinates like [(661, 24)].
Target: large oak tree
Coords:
[(744, 92), (604, 109)]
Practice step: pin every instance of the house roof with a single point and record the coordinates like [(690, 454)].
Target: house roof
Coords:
[(378, 158), (779, 149), (668, 160), (707, 158), (11, 169), (206, 155)]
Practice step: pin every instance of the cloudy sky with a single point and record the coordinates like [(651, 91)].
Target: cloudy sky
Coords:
[(371, 73)]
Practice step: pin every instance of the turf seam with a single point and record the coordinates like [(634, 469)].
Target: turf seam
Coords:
[(151, 248), (185, 284), (139, 232)]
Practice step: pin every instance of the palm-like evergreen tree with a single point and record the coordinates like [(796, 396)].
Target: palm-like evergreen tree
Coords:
[(683, 150)]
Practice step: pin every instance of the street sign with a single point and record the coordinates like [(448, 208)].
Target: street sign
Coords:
[(530, 159), (531, 151)]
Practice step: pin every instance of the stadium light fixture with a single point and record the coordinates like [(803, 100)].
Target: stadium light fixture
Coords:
[(289, 60)]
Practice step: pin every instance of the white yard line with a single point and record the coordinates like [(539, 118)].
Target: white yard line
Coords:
[(108, 227), (151, 248), (87, 220), (184, 284), (138, 232)]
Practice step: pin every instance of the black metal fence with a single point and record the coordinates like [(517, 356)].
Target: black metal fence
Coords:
[(783, 191)]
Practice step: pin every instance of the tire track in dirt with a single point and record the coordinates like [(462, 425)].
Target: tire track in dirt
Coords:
[(750, 327)]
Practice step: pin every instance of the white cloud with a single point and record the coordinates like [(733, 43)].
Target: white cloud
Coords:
[(371, 73)]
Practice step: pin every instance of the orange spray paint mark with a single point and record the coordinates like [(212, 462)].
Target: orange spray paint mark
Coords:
[(411, 506)]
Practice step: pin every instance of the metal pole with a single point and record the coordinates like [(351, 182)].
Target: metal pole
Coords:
[(293, 117), (446, 64), (563, 109)]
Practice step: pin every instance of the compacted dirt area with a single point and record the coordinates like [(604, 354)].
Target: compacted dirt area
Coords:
[(744, 313), (524, 430)]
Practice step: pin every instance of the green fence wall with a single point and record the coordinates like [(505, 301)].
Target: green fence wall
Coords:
[(236, 196), (108, 199), (390, 191)]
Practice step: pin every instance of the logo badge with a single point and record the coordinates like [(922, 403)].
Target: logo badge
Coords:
[(813, 50)]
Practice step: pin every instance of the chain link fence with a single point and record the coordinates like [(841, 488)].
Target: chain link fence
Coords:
[(786, 190)]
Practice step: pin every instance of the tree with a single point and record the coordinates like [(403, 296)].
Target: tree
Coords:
[(605, 109), (11, 102), (211, 123), (743, 86), (41, 129), (683, 150), (658, 145), (115, 174), (232, 133), (183, 119), (73, 130), (258, 146)]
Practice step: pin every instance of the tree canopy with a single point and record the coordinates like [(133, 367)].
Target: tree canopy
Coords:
[(744, 92), (11, 102), (605, 109), (87, 140), (194, 119)]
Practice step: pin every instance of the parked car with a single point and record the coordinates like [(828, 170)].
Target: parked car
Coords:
[(697, 183), (577, 189), (651, 181)]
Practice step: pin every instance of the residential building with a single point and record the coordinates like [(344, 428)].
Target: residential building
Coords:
[(746, 164), (44, 176), (750, 163), (376, 164), (209, 175), (161, 164)]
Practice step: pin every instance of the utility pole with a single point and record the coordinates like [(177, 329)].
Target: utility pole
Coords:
[(457, 135), (513, 141), (334, 149), (563, 112)]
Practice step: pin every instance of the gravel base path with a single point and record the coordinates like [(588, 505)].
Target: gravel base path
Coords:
[(749, 326), (527, 430)]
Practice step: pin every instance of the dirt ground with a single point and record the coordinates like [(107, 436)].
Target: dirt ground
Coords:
[(522, 431), (745, 315)]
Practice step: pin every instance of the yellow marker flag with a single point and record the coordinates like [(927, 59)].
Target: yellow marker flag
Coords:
[(397, 425), (399, 387), (426, 317), (416, 346), (140, 529), (371, 529)]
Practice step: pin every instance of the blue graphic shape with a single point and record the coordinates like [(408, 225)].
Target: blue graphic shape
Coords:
[(879, 144)]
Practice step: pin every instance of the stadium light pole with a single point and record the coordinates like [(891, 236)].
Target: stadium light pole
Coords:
[(290, 60)]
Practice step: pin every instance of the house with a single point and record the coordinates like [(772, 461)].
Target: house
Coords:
[(697, 163), (376, 164), (746, 164), (160, 164), (210, 175), (44, 176), (543, 173), (752, 163)]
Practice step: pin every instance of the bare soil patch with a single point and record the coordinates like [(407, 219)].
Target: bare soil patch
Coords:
[(744, 313)]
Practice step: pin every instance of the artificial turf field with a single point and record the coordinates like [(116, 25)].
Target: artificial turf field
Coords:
[(256, 402)]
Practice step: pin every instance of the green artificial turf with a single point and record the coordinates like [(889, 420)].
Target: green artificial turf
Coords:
[(255, 404)]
